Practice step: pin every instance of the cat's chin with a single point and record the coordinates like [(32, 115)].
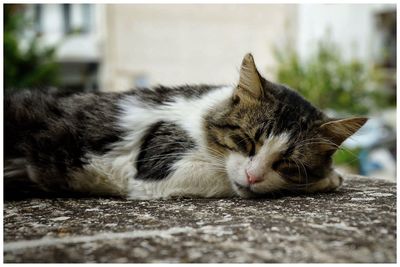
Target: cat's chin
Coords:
[(244, 191), (268, 188)]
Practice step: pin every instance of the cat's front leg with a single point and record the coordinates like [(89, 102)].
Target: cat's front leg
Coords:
[(190, 178)]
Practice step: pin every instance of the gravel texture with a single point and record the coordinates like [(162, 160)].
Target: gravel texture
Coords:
[(355, 224)]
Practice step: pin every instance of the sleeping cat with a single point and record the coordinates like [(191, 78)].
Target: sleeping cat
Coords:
[(247, 140)]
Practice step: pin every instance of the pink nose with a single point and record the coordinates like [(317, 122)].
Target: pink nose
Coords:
[(252, 179)]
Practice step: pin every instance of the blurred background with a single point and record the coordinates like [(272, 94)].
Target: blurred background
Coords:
[(340, 57)]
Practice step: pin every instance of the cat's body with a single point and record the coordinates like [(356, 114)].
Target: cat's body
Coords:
[(204, 141)]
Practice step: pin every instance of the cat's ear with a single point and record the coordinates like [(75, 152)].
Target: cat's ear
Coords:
[(339, 130), (249, 81)]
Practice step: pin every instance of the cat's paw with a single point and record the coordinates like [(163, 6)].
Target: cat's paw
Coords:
[(328, 184)]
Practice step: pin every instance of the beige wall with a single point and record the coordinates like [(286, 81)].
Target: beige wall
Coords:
[(176, 44)]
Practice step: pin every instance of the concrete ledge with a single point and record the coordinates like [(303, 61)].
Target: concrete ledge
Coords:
[(355, 224)]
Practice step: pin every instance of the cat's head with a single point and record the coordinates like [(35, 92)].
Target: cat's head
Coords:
[(272, 138)]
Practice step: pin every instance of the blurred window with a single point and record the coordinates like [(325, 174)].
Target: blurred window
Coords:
[(87, 17), (386, 22), (38, 13), (67, 18)]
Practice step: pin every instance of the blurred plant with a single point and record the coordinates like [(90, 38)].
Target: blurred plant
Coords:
[(348, 157), (33, 66), (330, 82)]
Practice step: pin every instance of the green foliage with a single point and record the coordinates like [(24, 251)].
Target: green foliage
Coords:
[(330, 82), (347, 157), (34, 66)]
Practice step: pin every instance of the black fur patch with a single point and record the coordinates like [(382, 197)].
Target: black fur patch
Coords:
[(163, 145)]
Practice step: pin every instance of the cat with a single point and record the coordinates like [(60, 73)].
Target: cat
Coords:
[(247, 141)]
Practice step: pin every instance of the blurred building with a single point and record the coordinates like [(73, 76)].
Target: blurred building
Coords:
[(75, 30), (175, 44), (117, 47)]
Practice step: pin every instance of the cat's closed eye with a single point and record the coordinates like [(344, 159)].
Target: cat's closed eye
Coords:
[(244, 143), (288, 169), (233, 137)]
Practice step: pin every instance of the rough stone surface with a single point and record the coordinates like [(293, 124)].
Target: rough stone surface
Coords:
[(355, 224)]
